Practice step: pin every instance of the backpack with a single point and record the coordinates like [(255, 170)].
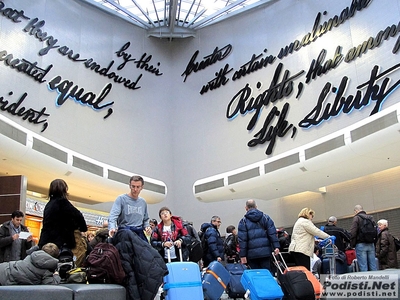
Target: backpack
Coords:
[(65, 261), (104, 265), (204, 242), (194, 246), (367, 232), (195, 250)]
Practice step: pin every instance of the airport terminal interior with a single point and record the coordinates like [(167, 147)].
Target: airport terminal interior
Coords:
[(291, 103)]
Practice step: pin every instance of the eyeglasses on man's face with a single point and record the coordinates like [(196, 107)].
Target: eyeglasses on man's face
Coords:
[(164, 213)]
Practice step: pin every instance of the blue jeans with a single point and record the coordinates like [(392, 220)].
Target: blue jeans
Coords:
[(365, 253), (260, 263)]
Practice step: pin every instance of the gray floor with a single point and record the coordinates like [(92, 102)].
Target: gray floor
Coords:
[(223, 297)]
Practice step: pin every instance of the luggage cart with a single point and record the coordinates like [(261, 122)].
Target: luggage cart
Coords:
[(330, 250)]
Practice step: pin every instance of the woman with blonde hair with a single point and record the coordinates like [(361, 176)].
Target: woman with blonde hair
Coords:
[(385, 247), (303, 238)]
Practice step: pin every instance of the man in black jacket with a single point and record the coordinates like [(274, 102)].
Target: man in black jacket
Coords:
[(342, 235), (12, 247)]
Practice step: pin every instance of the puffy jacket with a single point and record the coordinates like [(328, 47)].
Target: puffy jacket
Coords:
[(6, 241), (37, 268), (214, 242), (303, 236), (178, 232), (386, 250), (143, 265), (257, 235)]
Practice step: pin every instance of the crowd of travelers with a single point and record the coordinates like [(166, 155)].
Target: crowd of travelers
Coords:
[(145, 245)]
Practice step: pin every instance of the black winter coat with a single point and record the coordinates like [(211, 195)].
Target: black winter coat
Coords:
[(60, 219), (6, 241), (143, 265), (342, 236)]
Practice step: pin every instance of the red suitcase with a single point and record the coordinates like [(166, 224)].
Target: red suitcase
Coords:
[(350, 256)]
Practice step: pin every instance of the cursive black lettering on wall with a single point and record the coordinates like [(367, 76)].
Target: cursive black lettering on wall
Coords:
[(269, 132), (208, 60), (374, 91), (372, 43), (12, 14), (24, 66), (66, 89), (218, 81), (142, 63), (256, 63), (243, 102), (34, 27), (320, 29), (31, 115), (106, 72), (319, 66)]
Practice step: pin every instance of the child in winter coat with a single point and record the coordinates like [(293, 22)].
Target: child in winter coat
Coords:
[(170, 235), (37, 268), (231, 245)]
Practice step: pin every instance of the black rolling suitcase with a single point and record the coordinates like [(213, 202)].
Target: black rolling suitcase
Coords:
[(294, 284), (235, 289)]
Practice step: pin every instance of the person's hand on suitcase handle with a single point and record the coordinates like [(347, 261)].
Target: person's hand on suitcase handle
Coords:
[(330, 240), (169, 244)]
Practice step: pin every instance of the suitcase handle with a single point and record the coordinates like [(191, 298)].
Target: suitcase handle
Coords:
[(328, 241), (280, 264), (216, 277), (169, 254)]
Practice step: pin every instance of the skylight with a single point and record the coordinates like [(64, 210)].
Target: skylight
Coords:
[(175, 18)]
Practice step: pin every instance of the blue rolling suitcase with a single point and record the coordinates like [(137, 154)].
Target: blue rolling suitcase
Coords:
[(261, 285), (183, 281), (235, 288), (215, 281), (340, 267)]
